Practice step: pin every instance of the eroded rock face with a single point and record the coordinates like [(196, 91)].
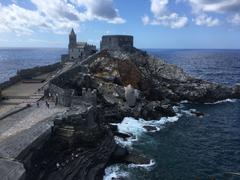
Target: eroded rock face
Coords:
[(57, 160), (129, 73), (78, 124), (159, 80), (156, 81)]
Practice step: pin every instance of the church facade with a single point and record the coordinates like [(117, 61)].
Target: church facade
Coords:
[(78, 51)]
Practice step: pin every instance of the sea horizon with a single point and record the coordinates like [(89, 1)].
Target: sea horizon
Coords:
[(136, 47)]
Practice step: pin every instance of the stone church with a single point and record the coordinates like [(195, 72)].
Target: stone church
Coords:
[(78, 51)]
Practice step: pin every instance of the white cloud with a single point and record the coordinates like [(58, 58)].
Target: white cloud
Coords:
[(235, 20), (100, 9), (205, 20), (158, 7), (215, 5), (202, 9), (163, 17), (145, 20), (173, 21), (57, 16)]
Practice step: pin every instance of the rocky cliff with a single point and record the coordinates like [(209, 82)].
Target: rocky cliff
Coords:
[(160, 85), (126, 82)]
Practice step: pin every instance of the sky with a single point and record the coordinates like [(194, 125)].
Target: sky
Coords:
[(166, 24)]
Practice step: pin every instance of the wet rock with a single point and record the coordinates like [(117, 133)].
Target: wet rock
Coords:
[(155, 110), (197, 113), (122, 135), (119, 154), (150, 128), (113, 127), (166, 110), (135, 158)]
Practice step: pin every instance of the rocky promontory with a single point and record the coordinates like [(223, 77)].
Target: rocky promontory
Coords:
[(103, 89)]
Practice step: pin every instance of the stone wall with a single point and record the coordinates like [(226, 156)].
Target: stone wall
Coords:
[(29, 74), (115, 42), (64, 58), (38, 70), (60, 88), (67, 98), (79, 53), (11, 81), (63, 95)]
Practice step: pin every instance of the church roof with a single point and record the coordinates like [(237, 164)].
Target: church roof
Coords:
[(72, 32)]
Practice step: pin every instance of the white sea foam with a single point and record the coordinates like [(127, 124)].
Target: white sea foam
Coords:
[(136, 128), (188, 112), (223, 101), (146, 166), (114, 171), (184, 102)]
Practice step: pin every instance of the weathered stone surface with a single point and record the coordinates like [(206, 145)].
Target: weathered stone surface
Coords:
[(113, 42), (129, 73), (57, 160), (11, 170), (78, 124)]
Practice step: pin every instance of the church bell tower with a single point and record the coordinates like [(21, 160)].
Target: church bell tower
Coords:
[(72, 39)]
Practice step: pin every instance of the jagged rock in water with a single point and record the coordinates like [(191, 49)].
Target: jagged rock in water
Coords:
[(150, 128), (156, 110)]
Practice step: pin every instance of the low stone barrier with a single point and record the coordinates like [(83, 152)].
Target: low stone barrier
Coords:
[(29, 74)]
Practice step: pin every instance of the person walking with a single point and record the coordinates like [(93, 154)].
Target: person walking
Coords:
[(47, 104)]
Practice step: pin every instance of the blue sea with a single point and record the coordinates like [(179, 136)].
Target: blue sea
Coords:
[(184, 147), (14, 59)]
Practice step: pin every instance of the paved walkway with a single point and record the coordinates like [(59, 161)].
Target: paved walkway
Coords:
[(22, 126), (21, 94), (21, 129)]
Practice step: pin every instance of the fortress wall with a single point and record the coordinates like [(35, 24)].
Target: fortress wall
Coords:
[(10, 82), (38, 70), (114, 42)]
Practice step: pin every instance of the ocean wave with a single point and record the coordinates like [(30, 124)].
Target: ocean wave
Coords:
[(113, 172), (223, 101), (188, 112), (116, 172), (137, 128), (146, 166)]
